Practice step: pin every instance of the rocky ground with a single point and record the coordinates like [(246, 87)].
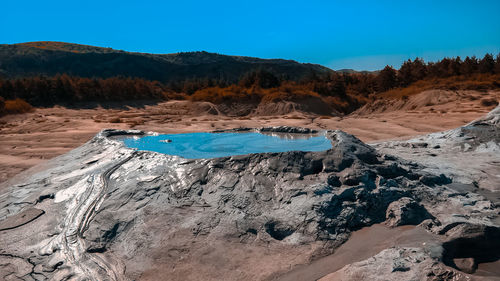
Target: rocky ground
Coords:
[(107, 212), (470, 156)]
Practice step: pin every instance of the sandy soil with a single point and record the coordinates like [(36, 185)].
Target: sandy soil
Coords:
[(30, 139), (362, 244), (369, 241)]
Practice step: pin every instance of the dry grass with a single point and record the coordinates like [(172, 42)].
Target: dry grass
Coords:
[(238, 94), (478, 82), (345, 105), (115, 120), (16, 106), (231, 94), (293, 117), (288, 92)]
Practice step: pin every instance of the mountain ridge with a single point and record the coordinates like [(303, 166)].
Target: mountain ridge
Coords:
[(51, 58)]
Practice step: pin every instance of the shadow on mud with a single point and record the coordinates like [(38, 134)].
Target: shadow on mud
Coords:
[(481, 245)]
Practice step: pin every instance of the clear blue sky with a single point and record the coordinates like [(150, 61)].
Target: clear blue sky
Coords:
[(338, 34)]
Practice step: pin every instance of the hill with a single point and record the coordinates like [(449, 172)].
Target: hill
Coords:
[(56, 73), (352, 71), (51, 58)]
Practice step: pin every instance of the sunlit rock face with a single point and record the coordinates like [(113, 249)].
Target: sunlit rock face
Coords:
[(468, 154), (115, 213)]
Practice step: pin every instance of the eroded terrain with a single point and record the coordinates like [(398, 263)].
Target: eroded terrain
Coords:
[(112, 213), (423, 208)]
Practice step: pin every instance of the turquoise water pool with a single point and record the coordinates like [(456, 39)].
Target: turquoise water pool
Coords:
[(213, 145)]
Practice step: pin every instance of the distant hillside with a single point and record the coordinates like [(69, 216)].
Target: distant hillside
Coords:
[(352, 71), (51, 58), (264, 86)]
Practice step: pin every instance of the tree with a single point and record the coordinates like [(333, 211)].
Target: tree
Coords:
[(412, 71), (365, 83), (2, 106), (469, 66), (7, 89), (405, 73), (487, 64), (419, 69), (332, 85), (386, 79), (444, 67), (455, 66), (497, 64), (261, 78)]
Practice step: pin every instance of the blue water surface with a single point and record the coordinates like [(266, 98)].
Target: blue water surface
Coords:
[(213, 145)]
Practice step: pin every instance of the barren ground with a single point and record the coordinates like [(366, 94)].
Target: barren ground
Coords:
[(30, 139)]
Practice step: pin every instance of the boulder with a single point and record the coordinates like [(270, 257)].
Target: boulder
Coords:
[(394, 264), (405, 211)]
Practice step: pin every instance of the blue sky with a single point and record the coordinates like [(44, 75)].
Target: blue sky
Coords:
[(338, 34)]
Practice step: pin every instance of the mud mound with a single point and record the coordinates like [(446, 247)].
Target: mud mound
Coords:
[(478, 142), (426, 98), (114, 213), (307, 106), (491, 119), (311, 105), (443, 100), (204, 108), (236, 109)]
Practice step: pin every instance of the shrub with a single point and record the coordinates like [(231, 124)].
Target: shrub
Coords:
[(16, 106), (288, 92), (231, 94), (260, 78), (2, 106), (478, 82)]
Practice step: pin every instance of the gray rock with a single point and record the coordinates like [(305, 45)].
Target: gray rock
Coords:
[(467, 265), (394, 264), (405, 211), (469, 154)]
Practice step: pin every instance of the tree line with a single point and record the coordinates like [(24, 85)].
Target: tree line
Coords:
[(412, 71), (64, 89)]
